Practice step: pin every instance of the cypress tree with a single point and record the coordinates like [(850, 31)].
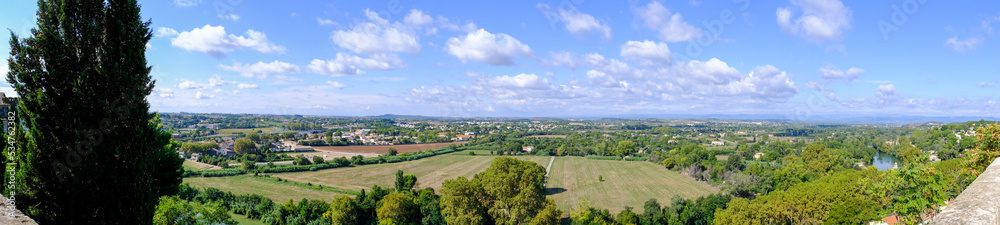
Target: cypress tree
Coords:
[(89, 151)]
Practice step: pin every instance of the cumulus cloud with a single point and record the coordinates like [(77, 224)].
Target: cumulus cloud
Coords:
[(199, 95), (581, 24), (963, 45), (247, 86), (231, 16), (669, 27), (347, 64), (322, 21), (601, 78), (335, 84), (377, 35), (764, 83), (214, 41), (713, 71), (483, 46), (886, 94), (163, 92), (612, 86), (213, 81), (985, 84), (562, 58), (831, 72), (186, 3), (531, 81), (819, 20), (417, 18), (647, 53), (165, 32), (261, 69)]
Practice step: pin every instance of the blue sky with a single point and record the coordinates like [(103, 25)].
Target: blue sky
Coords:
[(800, 58)]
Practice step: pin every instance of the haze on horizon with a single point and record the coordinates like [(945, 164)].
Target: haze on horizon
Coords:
[(567, 58)]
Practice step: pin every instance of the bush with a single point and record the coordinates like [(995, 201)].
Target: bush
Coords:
[(637, 159), (221, 173), (472, 153)]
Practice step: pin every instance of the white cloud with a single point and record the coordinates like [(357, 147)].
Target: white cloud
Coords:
[(456, 26), (483, 46), (377, 36), (215, 42), (669, 27), (213, 81), (530, 81), (886, 92), (163, 92), (647, 53), (231, 16), (562, 58), (216, 80), (322, 21), (601, 78), (199, 95), (713, 71), (186, 3), (165, 32), (581, 24), (764, 83), (970, 43), (247, 86), (417, 18), (262, 69), (985, 84), (831, 72), (191, 85), (335, 84), (820, 20), (347, 64)]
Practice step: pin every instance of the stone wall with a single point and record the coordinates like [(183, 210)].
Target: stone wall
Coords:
[(17, 219), (979, 203)]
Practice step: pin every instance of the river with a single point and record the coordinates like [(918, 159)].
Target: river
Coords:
[(884, 161)]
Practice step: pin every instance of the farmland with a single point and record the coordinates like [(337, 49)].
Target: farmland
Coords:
[(246, 184), (572, 179), (382, 149), (430, 172), (625, 183)]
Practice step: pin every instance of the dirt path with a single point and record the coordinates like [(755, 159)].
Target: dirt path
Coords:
[(549, 168)]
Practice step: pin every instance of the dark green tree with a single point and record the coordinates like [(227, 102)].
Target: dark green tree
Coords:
[(90, 147)]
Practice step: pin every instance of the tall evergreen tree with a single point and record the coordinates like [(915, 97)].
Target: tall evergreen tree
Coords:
[(89, 150)]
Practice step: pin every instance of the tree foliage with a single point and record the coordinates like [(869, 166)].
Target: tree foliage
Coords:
[(92, 149)]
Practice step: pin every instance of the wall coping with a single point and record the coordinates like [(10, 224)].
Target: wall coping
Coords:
[(979, 203)]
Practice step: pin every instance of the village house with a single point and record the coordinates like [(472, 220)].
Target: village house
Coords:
[(527, 148), (758, 155), (718, 143)]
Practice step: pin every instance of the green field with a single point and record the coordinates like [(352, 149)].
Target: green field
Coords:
[(246, 184), (431, 172), (625, 183), (572, 179)]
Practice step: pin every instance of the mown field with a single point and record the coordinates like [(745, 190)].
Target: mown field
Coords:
[(572, 179), (625, 183), (431, 172), (247, 184), (382, 149)]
